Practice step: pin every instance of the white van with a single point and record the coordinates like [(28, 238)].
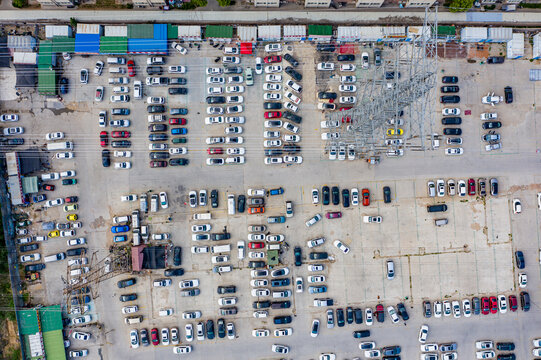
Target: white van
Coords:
[(131, 320), (220, 248), (231, 204), (63, 145), (136, 241), (55, 257), (231, 50), (135, 219), (116, 60), (154, 203), (144, 232), (441, 222), (137, 89), (203, 216), (117, 70), (143, 204), (121, 219)]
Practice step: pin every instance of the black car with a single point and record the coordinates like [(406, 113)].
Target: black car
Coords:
[(318, 255), (144, 337), (256, 264), (494, 187), (29, 247), (326, 95), (450, 99), (281, 304), (290, 59), (340, 317), (451, 120), (386, 194), (450, 89), (348, 57), (230, 289), (128, 297), (220, 236), (76, 300), (210, 329), (495, 60), (505, 346), (402, 311), (389, 75), (349, 315), (105, 158), (377, 57), (476, 304), (15, 141), (177, 253), (157, 127), (272, 105), (449, 79), (120, 111), (121, 143), (325, 195), (241, 203), (154, 70), (214, 198), (492, 125), (519, 257), (345, 197), (174, 272), (157, 137), (64, 86), (335, 195), (221, 328), (436, 208), (293, 73), (326, 47), (290, 148), (290, 116), (179, 162), (358, 316), (278, 320), (392, 350), (76, 251), (232, 70), (508, 92), (152, 109), (298, 256), (452, 131), (358, 334), (158, 155), (261, 304), (280, 282), (126, 282), (507, 357), (525, 301), (215, 99), (177, 91), (34, 267), (272, 152)]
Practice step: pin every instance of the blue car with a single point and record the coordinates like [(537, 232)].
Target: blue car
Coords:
[(278, 191), (178, 111), (317, 289), (120, 229), (179, 131), (120, 238), (39, 198), (276, 219)]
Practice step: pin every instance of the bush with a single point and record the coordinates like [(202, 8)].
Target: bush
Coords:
[(129, 6), (223, 3), (73, 23), (531, 6), (460, 5), (19, 3)]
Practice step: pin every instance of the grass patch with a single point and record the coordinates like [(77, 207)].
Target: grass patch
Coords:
[(530, 6)]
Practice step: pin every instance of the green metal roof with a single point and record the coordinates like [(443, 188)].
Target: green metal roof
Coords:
[(46, 81), (172, 31), (45, 54), (447, 30), (113, 45), (219, 31), (28, 320), (51, 318), (140, 31), (320, 30), (63, 44), (53, 342)]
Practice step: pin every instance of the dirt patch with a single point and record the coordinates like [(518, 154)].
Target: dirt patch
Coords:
[(477, 51), (475, 227), (9, 338), (97, 223)]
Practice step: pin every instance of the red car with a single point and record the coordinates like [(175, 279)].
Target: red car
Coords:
[(215, 151), (256, 245), (48, 187), (485, 306), (471, 187), (120, 134), (154, 337), (513, 304), (272, 59), (272, 114), (345, 108), (333, 215), (71, 199), (131, 68), (366, 197), (155, 164), (177, 121), (493, 304), (380, 314), (346, 119), (104, 139)]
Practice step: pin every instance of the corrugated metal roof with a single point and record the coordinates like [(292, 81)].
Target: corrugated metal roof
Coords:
[(191, 32), (294, 32), (536, 54), (46, 81), (393, 31), (499, 34), (348, 33), (87, 43), (325, 30), (45, 58), (113, 45), (172, 31), (28, 58), (160, 31), (371, 33), (473, 34), (515, 47), (219, 31), (535, 74), (57, 30), (12, 163), (63, 44), (247, 33), (269, 32), (30, 186), (89, 29), (147, 46), (114, 30), (23, 43), (140, 31)]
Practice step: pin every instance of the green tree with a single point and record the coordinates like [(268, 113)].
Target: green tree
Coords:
[(73, 22), (19, 3), (460, 5), (224, 3)]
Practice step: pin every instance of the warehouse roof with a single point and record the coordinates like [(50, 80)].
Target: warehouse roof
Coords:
[(63, 44), (172, 31), (26, 75), (113, 45), (45, 58), (87, 43), (320, 30), (219, 31), (46, 81), (140, 31)]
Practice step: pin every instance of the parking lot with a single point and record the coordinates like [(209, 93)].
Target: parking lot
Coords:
[(471, 256)]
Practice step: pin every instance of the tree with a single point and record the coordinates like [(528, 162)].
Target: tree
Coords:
[(460, 5), (73, 22), (224, 3), (19, 3)]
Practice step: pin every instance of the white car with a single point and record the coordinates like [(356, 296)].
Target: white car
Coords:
[(235, 160), (215, 80), (281, 349), (485, 344), (365, 60), (123, 165), (256, 192), (316, 267), (522, 280), (536, 352), (209, 120), (237, 79), (235, 109), (64, 155), (292, 97), (354, 197), (272, 96), (502, 304), (234, 89), (162, 283), (9, 117), (186, 284), (258, 65), (489, 116), (290, 106), (370, 354), (235, 151), (314, 219), (215, 110), (75, 242), (155, 100), (177, 69), (260, 292), (235, 99), (272, 143), (313, 279), (272, 87), (288, 159), (341, 246), (517, 206), (299, 285), (80, 335), (130, 309), (54, 136), (437, 309), (179, 48), (461, 188), (491, 99), (230, 59), (191, 315), (348, 99), (273, 78), (392, 314), (315, 242), (270, 69), (486, 354), (456, 309), (164, 202), (256, 255), (214, 71), (273, 47), (325, 66), (271, 134), (179, 150), (466, 307), (348, 79), (423, 334), (200, 249), (429, 347), (347, 67), (447, 309), (31, 257), (188, 330), (290, 127), (260, 333), (450, 111), (291, 138), (13, 131), (215, 90), (315, 196), (347, 88), (120, 98), (372, 219), (120, 123), (121, 90)]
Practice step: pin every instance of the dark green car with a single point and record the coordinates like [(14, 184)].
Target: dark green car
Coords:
[(69, 181), (179, 140)]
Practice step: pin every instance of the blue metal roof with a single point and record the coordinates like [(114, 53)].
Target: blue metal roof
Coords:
[(87, 43), (148, 46), (160, 31)]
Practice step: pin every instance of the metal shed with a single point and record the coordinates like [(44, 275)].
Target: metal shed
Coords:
[(371, 33), (499, 35), (393, 33), (536, 46), (57, 30), (140, 31), (473, 34), (219, 33), (247, 33), (348, 33), (189, 33), (27, 58), (63, 44), (114, 30), (515, 47), (87, 43), (535, 74), (269, 33), (89, 29), (21, 43), (294, 33), (113, 45), (322, 33)]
